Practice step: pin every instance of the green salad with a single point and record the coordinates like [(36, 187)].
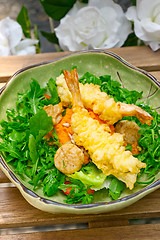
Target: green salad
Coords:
[(25, 147)]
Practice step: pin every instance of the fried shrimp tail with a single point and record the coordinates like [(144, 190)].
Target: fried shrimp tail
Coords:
[(133, 110), (106, 150), (73, 86), (101, 103)]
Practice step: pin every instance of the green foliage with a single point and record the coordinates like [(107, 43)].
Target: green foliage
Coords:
[(51, 37), (90, 175), (52, 181), (133, 2), (23, 137), (52, 87), (78, 193), (57, 9), (36, 36), (24, 21), (133, 40), (30, 100), (115, 188), (40, 124)]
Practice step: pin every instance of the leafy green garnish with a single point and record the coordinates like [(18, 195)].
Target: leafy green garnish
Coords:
[(29, 102), (150, 145), (23, 137), (79, 192), (90, 175), (90, 78), (52, 87), (40, 124), (52, 181), (115, 188)]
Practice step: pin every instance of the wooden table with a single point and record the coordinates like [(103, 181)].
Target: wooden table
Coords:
[(16, 213)]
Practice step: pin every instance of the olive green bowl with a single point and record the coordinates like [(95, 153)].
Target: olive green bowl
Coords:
[(98, 63)]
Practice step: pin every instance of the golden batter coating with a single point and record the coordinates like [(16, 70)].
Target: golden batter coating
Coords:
[(106, 151)]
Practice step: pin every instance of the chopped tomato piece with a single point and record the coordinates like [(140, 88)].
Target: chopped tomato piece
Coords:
[(90, 191), (47, 96), (68, 190)]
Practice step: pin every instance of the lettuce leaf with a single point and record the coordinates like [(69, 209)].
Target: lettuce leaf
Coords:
[(92, 176)]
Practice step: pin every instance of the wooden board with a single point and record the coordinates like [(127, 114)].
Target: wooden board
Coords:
[(19, 213), (142, 57), (142, 232)]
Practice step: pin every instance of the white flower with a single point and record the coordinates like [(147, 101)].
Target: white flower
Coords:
[(10, 39), (100, 24), (146, 17)]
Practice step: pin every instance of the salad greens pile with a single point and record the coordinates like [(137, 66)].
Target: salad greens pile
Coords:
[(25, 147)]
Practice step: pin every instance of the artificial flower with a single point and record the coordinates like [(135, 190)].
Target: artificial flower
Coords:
[(146, 18), (100, 24), (11, 42)]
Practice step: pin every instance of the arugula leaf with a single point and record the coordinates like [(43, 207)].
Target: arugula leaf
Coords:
[(40, 124), (150, 144), (115, 188), (55, 99), (90, 78), (52, 181), (78, 194), (11, 149), (29, 102), (33, 148), (114, 89)]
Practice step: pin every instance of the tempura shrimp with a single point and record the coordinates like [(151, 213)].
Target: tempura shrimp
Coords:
[(69, 158), (101, 103), (106, 151)]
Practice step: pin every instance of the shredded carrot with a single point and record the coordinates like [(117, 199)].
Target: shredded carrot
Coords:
[(63, 131)]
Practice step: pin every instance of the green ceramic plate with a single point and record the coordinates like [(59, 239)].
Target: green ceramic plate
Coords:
[(98, 63)]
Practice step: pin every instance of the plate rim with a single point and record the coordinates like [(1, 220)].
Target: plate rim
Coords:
[(78, 206)]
